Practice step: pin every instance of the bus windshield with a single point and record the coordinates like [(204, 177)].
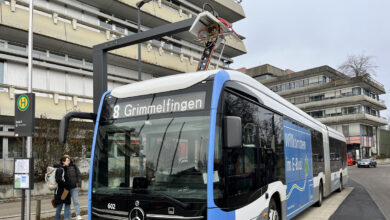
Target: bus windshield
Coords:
[(157, 154)]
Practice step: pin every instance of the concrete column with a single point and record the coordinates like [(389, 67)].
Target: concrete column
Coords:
[(377, 140)]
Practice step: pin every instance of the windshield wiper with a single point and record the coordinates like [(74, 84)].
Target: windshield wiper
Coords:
[(165, 196), (176, 201)]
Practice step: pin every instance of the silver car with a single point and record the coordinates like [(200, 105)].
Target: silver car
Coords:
[(369, 162)]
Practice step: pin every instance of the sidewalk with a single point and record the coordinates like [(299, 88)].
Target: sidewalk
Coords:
[(12, 210), (329, 206)]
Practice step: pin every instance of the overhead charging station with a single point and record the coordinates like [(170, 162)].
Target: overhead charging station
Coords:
[(206, 27)]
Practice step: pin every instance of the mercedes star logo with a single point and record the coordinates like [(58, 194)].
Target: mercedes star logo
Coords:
[(137, 214)]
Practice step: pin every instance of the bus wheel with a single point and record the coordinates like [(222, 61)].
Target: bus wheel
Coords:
[(273, 211), (341, 184), (320, 196)]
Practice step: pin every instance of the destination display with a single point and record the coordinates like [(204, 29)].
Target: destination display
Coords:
[(159, 105)]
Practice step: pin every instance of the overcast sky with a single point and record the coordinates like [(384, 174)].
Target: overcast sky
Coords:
[(302, 34)]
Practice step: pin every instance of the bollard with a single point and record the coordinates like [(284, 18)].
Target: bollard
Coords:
[(38, 210)]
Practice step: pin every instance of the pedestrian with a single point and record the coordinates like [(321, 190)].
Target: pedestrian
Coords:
[(62, 195), (75, 184)]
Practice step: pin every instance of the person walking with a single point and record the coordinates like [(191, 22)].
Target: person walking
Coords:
[(62, 195), (75, 185)]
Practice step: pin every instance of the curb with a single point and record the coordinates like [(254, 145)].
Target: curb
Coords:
[(40, 197)]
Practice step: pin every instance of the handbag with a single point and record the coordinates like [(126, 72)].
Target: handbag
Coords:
[(64, 194), (53, 204)]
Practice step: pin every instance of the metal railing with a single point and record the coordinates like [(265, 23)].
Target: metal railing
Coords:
[(338, 97)]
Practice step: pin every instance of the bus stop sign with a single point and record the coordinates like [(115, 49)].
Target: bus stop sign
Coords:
[(24, 114)]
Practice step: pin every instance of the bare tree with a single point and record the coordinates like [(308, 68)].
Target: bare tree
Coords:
[(47, 149), (358, 65)]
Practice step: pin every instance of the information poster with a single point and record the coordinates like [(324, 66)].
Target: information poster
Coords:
[(22, 165), (22, 181), (23, 168)]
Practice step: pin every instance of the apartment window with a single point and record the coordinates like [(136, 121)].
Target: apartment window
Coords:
[(106, 23), (1, 147), (367, 130), (17, 46), (366, 92), (345, 130), (317, 114), (174, 2), (75, 60), (357, 91), (367, 110), (176, 47), (2, 44), (14, 147), (129, 32), (156, 42), (88, 63), (317, 98), (292, 85), (39, 52), (56, 55), (350, 110), (120, 29), (1, 72)]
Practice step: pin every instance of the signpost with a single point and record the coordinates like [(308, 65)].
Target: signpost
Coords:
[(24, 114), (24, 127)]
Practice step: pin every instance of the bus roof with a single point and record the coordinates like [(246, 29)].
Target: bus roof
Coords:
[(162, 84), (185, 80)]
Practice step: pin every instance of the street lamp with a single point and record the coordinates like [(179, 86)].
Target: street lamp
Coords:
[(139, 5)]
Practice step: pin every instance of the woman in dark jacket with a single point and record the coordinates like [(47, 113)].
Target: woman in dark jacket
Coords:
[(63, 185)]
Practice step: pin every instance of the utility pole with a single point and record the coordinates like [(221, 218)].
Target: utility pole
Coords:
[(29, 138)]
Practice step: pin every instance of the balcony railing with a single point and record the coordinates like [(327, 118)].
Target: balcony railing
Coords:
[(373, 80), (338, 97), (119, 30), (343, 114)]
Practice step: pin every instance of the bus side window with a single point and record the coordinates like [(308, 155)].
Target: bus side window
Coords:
[(318, 152), (259, 161)]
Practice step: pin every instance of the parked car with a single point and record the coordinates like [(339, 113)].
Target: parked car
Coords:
[(369, 162)]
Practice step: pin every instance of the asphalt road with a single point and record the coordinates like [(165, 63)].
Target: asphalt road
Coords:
[(371, 197)]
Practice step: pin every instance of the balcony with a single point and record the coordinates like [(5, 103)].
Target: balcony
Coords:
[(343, 101), (44, 106), (227, 9), (354, 118), (70, 37), (161, 12)]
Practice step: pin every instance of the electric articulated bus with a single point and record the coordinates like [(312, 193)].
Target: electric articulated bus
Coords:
[(209, 145)]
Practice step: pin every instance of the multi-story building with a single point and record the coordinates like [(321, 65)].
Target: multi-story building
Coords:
[(350, 105), (65, 32)]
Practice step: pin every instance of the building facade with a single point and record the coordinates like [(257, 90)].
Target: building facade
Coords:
[(350, 105), (64, 34)]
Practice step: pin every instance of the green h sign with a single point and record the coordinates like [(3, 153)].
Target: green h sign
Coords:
[(25, 114)]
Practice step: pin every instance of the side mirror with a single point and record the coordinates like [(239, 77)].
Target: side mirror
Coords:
[(232, 131), (63, 133)]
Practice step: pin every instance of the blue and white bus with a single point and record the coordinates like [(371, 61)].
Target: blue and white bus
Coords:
[(209, 145)]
